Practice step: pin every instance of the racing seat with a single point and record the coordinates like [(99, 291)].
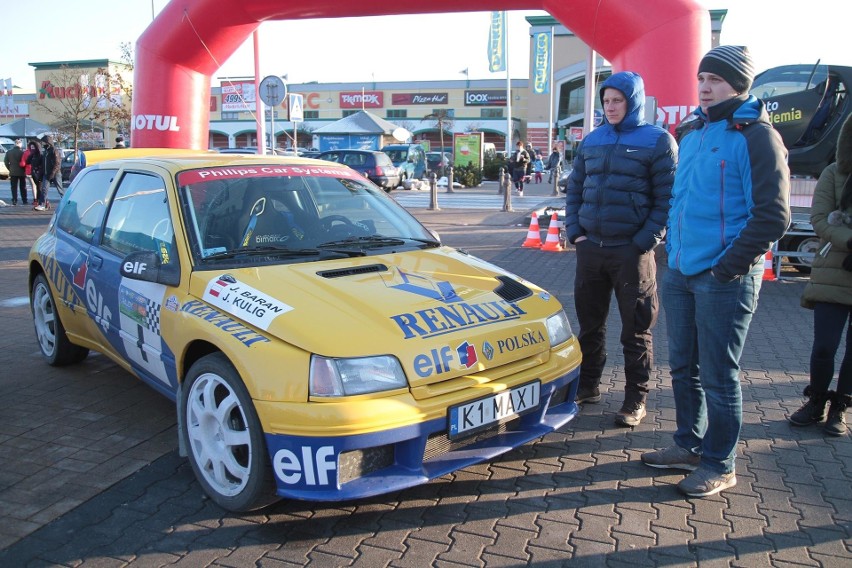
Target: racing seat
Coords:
[(266, 221)]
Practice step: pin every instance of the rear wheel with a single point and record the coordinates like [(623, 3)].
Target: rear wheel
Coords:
[(226, 444), (50, 333)]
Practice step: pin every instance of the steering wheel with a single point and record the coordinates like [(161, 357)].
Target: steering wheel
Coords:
[(340, 227)]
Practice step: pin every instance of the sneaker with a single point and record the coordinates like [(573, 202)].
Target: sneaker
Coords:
[(703, 482), (588, 394), (673, 457), (631, 414), (39, 208)]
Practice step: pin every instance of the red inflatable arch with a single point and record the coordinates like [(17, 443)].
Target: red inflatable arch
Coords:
[(176, 56)]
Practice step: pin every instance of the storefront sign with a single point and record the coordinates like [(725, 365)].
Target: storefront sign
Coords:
[(491, 97), (362, 99), (420, 98)]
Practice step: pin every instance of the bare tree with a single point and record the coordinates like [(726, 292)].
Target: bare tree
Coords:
[(68, 99)]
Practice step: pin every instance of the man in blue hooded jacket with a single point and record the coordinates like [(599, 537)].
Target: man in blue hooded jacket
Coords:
[(617, 203), (730, 202)]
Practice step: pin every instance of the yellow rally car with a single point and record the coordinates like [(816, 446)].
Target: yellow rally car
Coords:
[(318, 341)]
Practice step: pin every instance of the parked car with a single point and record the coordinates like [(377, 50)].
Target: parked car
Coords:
[(409, 158), (68, 159), (376, 166), (4, 171), (318, 341), (438, 162)]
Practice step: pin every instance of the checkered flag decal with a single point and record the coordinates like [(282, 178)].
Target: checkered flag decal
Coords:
[(152, 319)]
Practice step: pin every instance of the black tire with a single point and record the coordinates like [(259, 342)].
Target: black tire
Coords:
[(223, 436), (50, 333)]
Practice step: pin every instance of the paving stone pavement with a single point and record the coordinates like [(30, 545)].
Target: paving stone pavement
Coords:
[(89, 472)]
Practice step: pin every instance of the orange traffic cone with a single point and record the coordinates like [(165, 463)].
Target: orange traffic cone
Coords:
[(534, 234), (768, 269), (552, 242)]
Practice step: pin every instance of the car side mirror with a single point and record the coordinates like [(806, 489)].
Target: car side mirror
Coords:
[(147, 266)]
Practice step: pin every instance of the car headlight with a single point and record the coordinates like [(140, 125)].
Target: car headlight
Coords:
[(558, 328), (348, 377)]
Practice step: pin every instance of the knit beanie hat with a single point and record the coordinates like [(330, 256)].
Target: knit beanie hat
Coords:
[(732, 63)]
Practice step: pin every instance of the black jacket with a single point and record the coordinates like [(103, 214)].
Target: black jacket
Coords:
[(619, 190)]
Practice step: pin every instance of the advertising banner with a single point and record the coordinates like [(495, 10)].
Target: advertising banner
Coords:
[(541, 63), (238, 97), (467, 149), (488, 97), (497, 42), (359, 99), (348, 141), (419, 98)]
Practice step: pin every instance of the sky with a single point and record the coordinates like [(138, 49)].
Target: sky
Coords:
[(777, 32)]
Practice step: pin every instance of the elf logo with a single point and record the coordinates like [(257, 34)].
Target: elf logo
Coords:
[(313, 466), (442, 360)]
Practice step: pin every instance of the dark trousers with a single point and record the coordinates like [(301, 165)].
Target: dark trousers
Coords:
[(829, 323), (518, 173), (633, 277), (18, 184)]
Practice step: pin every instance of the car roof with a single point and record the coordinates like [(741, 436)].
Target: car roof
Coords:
[(181, 159)]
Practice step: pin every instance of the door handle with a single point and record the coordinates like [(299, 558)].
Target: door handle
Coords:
[(95, 261)]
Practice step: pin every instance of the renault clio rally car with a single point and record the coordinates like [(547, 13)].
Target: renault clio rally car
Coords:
[(319, 342)]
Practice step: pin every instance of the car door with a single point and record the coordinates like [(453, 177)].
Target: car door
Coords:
[(68, 265), (138, 220)]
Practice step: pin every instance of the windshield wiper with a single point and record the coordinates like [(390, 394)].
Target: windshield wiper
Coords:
[(264, 251), (367, 241)]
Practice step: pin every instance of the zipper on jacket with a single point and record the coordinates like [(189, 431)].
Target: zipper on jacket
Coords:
[(722, 202), (606, 169)]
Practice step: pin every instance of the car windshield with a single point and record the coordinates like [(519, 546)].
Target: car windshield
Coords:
[(249, 215)]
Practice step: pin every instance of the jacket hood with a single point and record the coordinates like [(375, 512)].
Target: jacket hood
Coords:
[(633, 87), (844, 148)]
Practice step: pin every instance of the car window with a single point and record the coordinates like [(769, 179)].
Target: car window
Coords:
[(138, 218), (354, 159), (383, 160), (82, 208), (333, 157)]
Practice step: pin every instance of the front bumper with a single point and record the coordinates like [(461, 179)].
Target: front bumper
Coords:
[(357, 466)]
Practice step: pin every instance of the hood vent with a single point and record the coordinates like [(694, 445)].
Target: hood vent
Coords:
[(353, 271), (511, 290)]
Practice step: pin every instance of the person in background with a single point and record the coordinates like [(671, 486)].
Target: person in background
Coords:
[(518, 162), (538, 167), (17, 174), (730, 202), (829, 293), (34, 168), (616, 206), (553, 164), (52, 156), (119, 142)]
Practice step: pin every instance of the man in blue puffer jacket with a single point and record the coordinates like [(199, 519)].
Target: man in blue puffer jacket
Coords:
[(729, 204), (617, 203)]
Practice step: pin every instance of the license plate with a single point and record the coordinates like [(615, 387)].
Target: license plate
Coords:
[(471, 417)]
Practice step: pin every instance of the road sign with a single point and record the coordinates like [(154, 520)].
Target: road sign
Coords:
[(272, 90), (296, 109), (576, 134)]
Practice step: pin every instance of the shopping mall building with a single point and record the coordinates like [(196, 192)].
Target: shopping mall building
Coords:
[(459, 105)]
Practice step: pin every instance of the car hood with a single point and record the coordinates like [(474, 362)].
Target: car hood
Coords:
[(439, 311)]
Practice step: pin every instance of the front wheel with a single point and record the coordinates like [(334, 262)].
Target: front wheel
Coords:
[(50, 333), (226, 444)]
